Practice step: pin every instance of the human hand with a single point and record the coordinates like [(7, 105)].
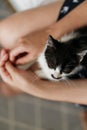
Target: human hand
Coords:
[(29, 47), (12, 76), (6, 89)]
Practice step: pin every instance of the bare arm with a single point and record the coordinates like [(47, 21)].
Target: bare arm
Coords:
[(75, 19), (71, 91)]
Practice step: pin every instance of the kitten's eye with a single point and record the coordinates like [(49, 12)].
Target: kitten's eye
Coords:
[(67, 70), (52, 65)]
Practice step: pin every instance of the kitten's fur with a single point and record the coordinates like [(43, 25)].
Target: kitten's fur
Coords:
[(65, 58)]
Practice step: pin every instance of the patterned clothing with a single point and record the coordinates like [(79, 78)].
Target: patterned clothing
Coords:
[(68, 6)]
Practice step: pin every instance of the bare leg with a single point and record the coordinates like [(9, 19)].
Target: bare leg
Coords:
[(26, 22)]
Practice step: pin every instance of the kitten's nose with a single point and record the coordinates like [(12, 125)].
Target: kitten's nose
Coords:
[(57, 74)]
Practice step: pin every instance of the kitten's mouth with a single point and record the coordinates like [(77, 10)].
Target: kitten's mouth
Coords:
[(55, 77)]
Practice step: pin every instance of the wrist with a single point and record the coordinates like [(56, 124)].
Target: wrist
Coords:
[(55, 30)]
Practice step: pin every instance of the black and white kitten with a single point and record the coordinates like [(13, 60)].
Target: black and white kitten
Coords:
[(66, 58)]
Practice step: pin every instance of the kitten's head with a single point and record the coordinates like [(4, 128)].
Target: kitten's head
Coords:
[(64, 59)]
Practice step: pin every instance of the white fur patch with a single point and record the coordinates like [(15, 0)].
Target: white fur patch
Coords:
[(68, 37), (43, 64)]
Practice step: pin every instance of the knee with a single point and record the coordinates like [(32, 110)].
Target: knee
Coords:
[(7, 34)]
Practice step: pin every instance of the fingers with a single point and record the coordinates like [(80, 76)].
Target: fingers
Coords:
[(9, 73), (23, 60), (11, 69), (18, 52), (7, 70), (3, 52), (5, 75), (3, 60), (3, 57)]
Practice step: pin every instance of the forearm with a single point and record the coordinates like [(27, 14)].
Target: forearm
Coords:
[(71, 91), (75, 19)]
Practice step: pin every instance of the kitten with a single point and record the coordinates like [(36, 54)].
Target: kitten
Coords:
[(66, 58)]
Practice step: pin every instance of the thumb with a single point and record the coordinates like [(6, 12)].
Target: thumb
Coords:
[(24, 60), (17, 53), (10, 68)]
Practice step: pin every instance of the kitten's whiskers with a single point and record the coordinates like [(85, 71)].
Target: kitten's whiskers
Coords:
[(71, 83)]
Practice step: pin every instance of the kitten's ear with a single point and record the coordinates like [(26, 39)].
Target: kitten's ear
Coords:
[(82, 47), (50, 41), (82, 54)]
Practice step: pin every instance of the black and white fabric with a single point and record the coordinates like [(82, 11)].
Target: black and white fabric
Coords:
[(68, 6)]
